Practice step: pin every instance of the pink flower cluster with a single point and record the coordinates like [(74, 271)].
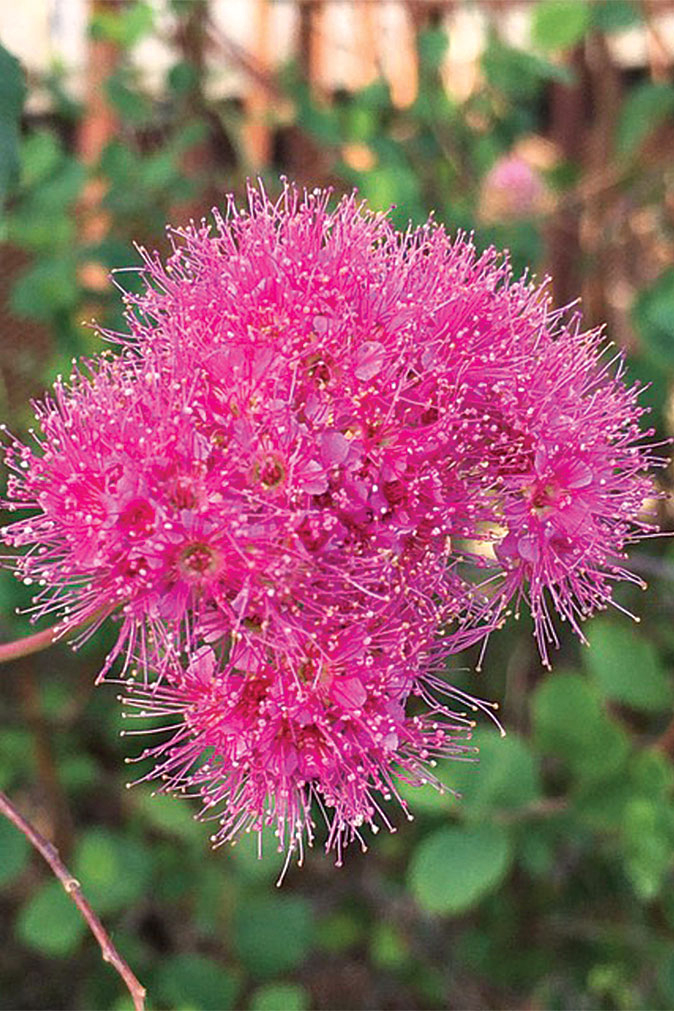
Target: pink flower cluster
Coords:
[(327, 456)]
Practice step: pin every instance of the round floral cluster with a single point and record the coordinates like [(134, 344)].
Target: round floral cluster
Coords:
[(326, 456)]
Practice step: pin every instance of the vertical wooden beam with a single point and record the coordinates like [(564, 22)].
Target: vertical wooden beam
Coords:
[(98, 126), (257, 133), (403, 62), (568, 113), (99, 123)]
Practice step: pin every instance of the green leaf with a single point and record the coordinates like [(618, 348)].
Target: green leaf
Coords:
[(50, 922), (169, 815), (280, 997), (114, 871), (653, 315), (125, 26), (388, 948), (518, 75), (47, 288), (569, 722), (12, 95), (17, 757), (504, 777), (646, 107), (559, 24), (41, 233), (55, 195), (273, 934), (14, 851), (432, 45), (652, 774), (132, 106), (454, 868), (40, 155), (182, 78), (339, 931), (648, 846), (601, 805), (255, 858), (615, 15), (626, 667), (195, 982)]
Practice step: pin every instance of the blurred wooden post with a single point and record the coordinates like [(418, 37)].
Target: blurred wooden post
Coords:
[(366, 40), (257, 132), (307, 160), (99, 122), (311, 50), (568, 105), (98, 126), (403, 63)]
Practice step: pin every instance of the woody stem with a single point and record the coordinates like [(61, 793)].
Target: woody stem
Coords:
[(73, 889)]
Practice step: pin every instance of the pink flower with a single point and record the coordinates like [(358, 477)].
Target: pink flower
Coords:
[(261, 745), (314, 423), (512, 189)]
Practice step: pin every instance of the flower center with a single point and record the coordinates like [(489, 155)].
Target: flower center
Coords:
[(270, 471), (198, 561), (542, 499)]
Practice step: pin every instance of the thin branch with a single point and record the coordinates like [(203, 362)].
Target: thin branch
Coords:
[(74, 890), (30, 644), (48, 636)]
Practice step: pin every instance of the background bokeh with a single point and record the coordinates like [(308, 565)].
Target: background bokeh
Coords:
[(547, 128)]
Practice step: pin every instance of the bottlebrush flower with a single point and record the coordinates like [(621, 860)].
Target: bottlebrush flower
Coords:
[(313, 424)]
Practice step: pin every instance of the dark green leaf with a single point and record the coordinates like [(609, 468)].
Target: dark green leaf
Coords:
[(614, 15), (40, 155), (504, 777), (570, 723), (653, 315), (50, 922), (645, 108), (12, 95), (518, 75), (454, 868), (14, 851), (193, 981), (626, 666), (432, 44), (388, 948), (45, 289), (280, 997), (169, 815), (273, 934), (114, 871)]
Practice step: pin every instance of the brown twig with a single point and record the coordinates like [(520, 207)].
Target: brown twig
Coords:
[(30, 644), (48, 636), (74, 890)]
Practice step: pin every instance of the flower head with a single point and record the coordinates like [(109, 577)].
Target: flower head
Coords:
[(313, 424), (266, 745)]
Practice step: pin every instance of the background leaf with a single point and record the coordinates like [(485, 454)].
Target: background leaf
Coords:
[(627, 667), (50, 922), (454, 868), (559, 24)]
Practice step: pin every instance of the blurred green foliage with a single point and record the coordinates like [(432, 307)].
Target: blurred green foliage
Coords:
[(549, 882)]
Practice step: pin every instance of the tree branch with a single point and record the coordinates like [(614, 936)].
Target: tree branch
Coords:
[(73, 889)]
